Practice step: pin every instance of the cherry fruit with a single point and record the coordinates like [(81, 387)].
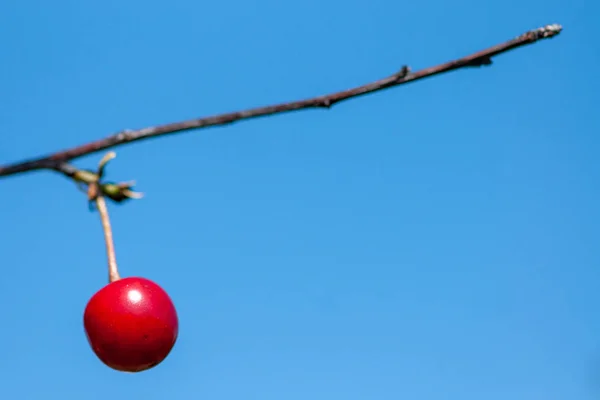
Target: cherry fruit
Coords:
[(131, 324)]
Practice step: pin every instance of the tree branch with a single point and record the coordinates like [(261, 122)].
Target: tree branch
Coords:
[(58, 161)]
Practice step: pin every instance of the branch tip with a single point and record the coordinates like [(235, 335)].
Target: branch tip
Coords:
[(549, 30)]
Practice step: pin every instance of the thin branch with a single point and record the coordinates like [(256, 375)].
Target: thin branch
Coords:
[(58, 161)]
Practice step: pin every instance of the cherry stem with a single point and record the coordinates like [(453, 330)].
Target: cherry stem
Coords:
[(113, 271)]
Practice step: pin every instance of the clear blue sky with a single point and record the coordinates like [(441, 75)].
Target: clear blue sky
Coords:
[(434, 241)]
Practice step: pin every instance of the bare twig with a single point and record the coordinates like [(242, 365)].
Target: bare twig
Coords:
[(58, 161)]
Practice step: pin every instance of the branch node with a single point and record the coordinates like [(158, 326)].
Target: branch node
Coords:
[(482, 61), (122, 135), (402, 74), (117, 192)]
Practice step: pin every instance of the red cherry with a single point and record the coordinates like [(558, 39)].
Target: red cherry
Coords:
[(131, 324)]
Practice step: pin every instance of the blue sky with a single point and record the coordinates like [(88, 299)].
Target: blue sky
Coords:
[(434, 241)]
